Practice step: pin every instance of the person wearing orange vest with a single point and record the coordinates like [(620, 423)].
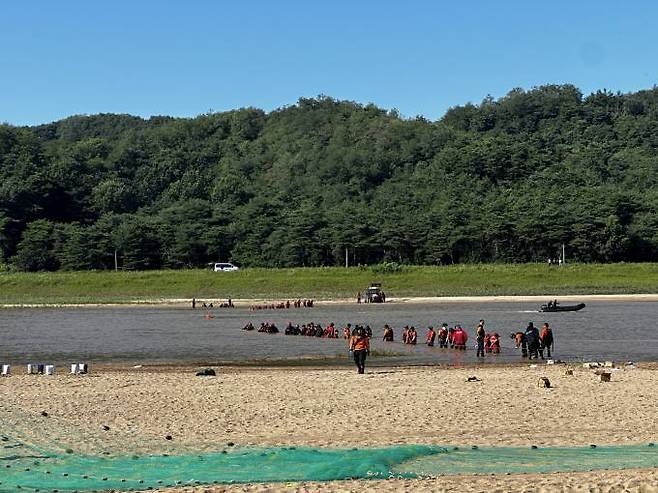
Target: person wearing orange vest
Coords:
[(412, 335), (495, 343), (347, 331), (520, 341), (459, 338), (431, 335), (487, 343), (360, 348), (546, 340)]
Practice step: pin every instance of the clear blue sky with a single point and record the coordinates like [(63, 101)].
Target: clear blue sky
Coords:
[(60, 58)]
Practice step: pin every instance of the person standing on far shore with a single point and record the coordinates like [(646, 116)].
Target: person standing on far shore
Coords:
[(360, 348)]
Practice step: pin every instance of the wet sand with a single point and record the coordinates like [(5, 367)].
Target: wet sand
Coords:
[(247, 302), (337, 408)]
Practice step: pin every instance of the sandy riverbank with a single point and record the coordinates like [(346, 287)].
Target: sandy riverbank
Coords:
[(246, 303), (337, 408), (633, 481)]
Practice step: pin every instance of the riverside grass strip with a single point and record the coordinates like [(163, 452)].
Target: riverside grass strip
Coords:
[(327, 283)]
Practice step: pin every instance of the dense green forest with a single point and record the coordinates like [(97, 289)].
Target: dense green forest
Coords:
[(507, 180)]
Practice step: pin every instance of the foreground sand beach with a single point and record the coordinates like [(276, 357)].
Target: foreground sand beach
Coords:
[(634, 481), (337, 408)]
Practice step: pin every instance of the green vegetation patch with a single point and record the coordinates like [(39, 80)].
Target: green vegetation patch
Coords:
[(326, 283), (534, 175)]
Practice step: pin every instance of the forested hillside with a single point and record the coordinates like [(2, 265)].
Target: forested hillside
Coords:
[(504, 181)]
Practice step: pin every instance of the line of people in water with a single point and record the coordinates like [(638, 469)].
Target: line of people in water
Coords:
[(449, 337), (283, 305), (266, 327), (532, 342), (312, 330)]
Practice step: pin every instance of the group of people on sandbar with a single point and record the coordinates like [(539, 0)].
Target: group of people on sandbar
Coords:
[(534, 342), (209, 305), (283, 305)]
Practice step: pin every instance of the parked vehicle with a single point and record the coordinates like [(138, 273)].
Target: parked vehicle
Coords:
[(224, 267), (374, 294)]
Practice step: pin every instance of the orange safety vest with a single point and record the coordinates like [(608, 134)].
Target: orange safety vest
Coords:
[(359, 343)]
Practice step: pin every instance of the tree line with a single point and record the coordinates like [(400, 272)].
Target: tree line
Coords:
[(507, 180)]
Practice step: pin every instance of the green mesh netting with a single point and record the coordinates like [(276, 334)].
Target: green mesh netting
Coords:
[(26, 468)]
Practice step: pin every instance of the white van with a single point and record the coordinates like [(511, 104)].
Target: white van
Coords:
[(224, 267)]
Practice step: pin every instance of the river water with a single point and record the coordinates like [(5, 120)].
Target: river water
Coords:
[(619, 331)]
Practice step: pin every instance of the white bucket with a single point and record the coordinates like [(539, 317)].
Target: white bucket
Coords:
[(74, 368), (31, 369), (5, 370), (83, 368), (50, 369)]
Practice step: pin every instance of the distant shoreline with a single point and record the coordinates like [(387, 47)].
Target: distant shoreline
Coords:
[(246, 303), (332, 285)]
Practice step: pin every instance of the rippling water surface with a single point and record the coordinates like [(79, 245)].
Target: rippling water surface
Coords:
[(602, 331)]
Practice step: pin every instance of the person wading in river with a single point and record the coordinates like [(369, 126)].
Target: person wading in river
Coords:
[(360, 348), (546, 341), (431, 335), (459, 338), (443, 336), (479, 338), (532, 338)]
